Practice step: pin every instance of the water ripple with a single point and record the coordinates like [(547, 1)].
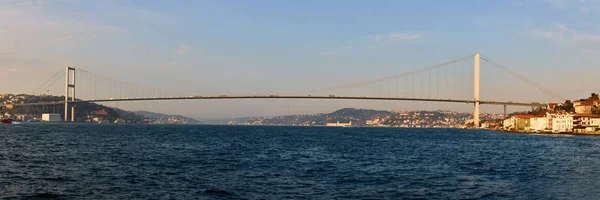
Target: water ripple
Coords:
[(79, 161)]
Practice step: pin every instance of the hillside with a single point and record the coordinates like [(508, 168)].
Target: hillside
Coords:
[(356, 116), (366, 117), (85, 112), (165, 116)]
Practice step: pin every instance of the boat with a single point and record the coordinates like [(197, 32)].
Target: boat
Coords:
[(3, 118), (6, 121)]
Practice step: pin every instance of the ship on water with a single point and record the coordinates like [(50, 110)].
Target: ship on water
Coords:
[(4, 119)]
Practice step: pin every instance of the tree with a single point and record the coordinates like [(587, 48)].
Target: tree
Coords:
[(594, 97), (595, 110), (567, 106), (538, 111)]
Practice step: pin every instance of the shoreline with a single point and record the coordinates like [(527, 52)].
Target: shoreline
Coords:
[(550, 133)]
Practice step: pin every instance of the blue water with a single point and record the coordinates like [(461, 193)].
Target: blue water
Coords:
[(67, 161)]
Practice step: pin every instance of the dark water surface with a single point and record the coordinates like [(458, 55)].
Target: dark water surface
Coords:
[(68, 161)]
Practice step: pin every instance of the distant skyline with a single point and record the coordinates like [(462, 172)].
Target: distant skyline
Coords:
[(270, 47)]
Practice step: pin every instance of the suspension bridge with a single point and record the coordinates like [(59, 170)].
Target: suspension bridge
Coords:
[(456, 81)]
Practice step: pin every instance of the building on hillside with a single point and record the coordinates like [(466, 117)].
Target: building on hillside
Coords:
[(9, 106), (583, 107), (538, 124), (374, 122), (552, 106), (99, 112), (340, 124), (583, 123), (560, 122)]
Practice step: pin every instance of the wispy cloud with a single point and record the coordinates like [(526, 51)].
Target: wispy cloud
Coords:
[(26, 26), (35, 36), (519, 3), (141, 49), (586, 9), (562, 33), (584, 6), (340, 50), (378, 41), (20, 64), (558, 4), (392, 37), (328, 53), (183, 50)]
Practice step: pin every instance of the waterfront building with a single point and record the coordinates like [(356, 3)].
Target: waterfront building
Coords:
[(374, 122), (538, 124), (522, 122), (490, 125), (595, 122), (507, 123), (518, 122), (583, 123), (51, 117), (560, 122), (340, 124), (24, 118)]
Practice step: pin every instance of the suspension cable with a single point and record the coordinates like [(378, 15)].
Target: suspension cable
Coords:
[(522, 78), (121, 82), (381, 79), (48, 81)]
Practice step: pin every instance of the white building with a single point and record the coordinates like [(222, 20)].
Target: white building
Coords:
[(374, 122), (595, 122), (585, 123), (538, 124), (51, 117), (340, 124), (560, 122), (507, 123)]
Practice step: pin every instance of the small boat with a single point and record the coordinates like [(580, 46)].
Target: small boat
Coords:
[(6, 120)]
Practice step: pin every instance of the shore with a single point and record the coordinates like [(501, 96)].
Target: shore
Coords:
[(551, 133)]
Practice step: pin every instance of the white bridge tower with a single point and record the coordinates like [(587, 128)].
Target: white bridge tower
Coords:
[(476, 90)]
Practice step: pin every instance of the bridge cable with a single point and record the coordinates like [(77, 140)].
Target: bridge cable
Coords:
[(522, 78), (381, 79), (55, 75), (123, 82), (57, 79), (430, 83)]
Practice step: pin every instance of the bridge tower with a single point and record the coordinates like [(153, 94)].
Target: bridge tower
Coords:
[(476, 90), (69, 85)]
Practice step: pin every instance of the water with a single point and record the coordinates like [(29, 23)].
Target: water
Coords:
[(67, 161)]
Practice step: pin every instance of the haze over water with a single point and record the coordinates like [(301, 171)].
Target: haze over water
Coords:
[(248, 162)]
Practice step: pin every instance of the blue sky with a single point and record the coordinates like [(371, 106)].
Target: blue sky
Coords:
[(235, 47)]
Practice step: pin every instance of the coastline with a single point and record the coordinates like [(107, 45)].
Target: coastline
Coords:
[(551, 133)]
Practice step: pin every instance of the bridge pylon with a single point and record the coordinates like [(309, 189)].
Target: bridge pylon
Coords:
[(69, 86), (476, 99)]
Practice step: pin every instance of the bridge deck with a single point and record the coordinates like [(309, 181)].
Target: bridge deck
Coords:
[(288, 97)]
